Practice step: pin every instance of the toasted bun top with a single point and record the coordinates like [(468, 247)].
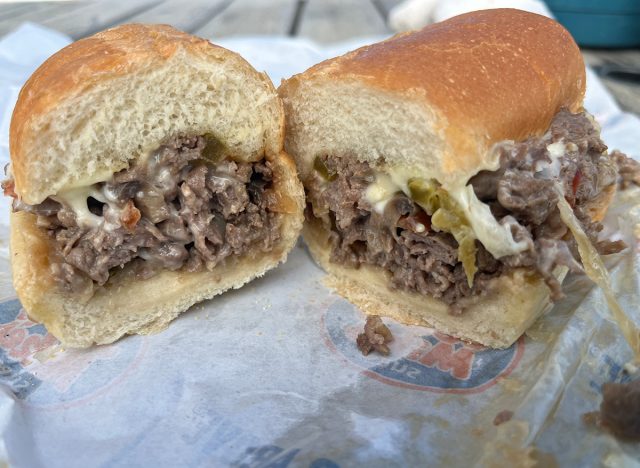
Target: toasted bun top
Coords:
[(437, 99), (106, 100)]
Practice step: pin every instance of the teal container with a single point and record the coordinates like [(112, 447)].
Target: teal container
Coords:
[(600, 23)]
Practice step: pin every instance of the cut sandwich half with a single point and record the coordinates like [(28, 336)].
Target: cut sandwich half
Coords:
[(431, 163), (148, 173)]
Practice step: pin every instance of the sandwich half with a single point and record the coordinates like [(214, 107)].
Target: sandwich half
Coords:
[(432, 164), (148, 174)]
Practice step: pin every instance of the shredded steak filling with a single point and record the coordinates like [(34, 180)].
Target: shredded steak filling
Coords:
[(421, 259), (175, 210), (375, 337)]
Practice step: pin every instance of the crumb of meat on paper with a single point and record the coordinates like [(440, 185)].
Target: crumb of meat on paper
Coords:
[(619, 411), (375, 337), (502, 417)]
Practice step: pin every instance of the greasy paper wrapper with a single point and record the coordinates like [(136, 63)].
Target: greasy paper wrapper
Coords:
[(269, 375)]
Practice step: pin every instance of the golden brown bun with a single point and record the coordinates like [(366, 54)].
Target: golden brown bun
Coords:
[(436, 100), (496, 320), (104, 102)]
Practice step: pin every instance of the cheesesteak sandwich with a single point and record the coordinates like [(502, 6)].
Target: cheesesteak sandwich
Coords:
[(437, 163), (148, 174)]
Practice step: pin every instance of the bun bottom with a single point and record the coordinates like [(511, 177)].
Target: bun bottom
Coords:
[(495, 320), (130, 306)]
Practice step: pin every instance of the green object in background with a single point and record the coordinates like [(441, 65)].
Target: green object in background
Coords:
[(600, 23)]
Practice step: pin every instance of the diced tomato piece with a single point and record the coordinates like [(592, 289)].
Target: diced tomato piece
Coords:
[(576, 182), (130, 216), (8, 187)]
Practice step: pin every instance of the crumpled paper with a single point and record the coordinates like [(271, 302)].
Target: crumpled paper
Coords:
[(269, 375)]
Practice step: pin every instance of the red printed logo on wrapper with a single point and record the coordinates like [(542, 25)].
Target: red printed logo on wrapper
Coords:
[(429, 361), (21, 338), (45, 375), (447, 354)]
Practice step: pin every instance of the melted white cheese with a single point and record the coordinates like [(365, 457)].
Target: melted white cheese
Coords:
[(381, 191), (556, 152), (76, 200), (386, 186), (75, 195), (495, 237)]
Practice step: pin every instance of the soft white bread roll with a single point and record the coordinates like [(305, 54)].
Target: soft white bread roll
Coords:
[(98, 106), (433, 103)]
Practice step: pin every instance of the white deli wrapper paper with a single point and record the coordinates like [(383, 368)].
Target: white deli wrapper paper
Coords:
[(269, 375)]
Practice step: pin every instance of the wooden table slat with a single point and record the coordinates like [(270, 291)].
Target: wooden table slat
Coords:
[(338, 20), (36, 13), (96, 16), (251, 17), (626, 93), (189, 18), (385, 6), (8, 10)]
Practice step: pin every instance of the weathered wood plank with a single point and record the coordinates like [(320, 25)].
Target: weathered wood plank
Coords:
[(187, 16), (35, 12), (385, 6), (625, 57), (98, 15), (250, 17), (626, 93), (337, 20), (13, 9)]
